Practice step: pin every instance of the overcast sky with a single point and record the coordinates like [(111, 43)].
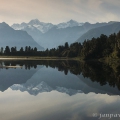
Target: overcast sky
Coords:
[(56, 11)]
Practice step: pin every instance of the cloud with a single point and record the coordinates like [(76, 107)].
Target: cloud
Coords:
[(56, 11), (110, 6), (16, 105)]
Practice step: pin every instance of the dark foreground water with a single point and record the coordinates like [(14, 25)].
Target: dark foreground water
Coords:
[(59, 90)]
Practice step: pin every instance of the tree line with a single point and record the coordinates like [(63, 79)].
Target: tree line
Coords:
[(22, 52), (101, 47)]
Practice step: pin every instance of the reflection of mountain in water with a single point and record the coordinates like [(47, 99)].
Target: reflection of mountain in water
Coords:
[(11, 76), (43, 87), (68, 77), (48, 79)]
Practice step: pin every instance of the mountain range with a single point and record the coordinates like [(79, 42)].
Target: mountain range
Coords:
[(50, 36), (44, 27), (47, 35)]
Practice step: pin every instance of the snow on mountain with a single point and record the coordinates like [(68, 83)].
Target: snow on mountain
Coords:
[(34, 21), (44, 27), (70, 23), (41, 26), (19, 26)]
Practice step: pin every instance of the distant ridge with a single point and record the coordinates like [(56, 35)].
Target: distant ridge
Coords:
[(16, 38), (114, 27)]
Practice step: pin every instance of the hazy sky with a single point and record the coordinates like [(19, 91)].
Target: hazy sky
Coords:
[(56, 11)]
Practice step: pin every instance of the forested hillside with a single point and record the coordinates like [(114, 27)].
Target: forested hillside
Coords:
[(95, 48)]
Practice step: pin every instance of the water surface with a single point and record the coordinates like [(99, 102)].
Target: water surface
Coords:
[(58, 90)]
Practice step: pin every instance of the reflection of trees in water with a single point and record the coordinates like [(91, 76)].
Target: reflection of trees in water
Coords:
[(96, 71), (26, 64), (102, 73)]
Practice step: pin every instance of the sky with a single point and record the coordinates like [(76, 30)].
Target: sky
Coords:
[(57, 11)]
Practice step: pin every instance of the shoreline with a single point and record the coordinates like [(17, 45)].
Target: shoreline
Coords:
[(34, 58)]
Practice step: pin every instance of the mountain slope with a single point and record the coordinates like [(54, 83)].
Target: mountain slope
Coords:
[(34, 32), (10, 37), (96, 32), (55, 37)]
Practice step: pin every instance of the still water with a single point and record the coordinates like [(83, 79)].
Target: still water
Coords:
[(58, 90)]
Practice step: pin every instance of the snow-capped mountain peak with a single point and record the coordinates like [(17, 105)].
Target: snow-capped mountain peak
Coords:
[(44, 27), (34, 22), (41, 26), (70, 23)]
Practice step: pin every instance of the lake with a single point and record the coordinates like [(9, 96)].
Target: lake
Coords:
[(59, 90)]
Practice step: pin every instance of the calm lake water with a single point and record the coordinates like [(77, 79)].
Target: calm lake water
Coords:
[(59, 90)]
